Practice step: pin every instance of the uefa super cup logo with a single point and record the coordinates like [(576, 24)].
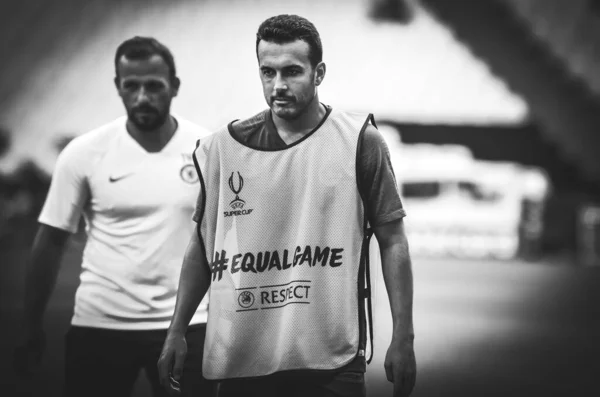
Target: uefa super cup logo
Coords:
[(237, 202)]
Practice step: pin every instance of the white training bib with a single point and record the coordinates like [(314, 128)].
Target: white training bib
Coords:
[(283, 231)]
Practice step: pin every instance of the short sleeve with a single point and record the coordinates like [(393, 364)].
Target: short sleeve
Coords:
[(68, 191), (376, 179)]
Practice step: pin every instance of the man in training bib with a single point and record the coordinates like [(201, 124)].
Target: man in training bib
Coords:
[(288, 202), (134, 182)]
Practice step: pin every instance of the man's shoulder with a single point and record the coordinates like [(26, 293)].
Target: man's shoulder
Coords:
[(363, 118), (94, 141), (372, 148), (372, 137), (242, 129), (190, 129)]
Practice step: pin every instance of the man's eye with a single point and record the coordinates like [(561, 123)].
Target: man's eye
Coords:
[(130, 86), (268, 73), (154, 86)]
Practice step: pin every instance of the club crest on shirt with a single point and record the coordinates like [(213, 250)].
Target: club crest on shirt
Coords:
[(188, 174)]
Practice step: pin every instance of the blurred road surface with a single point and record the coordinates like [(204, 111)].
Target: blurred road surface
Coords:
[(483, 328)]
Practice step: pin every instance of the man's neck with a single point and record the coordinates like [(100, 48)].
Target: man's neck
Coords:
[(292, 130), (154, 140)]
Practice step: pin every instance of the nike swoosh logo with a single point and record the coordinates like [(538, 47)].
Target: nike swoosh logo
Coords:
[(117, 178)]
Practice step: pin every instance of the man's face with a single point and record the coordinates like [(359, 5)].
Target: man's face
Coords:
[(288, 79), (146, 88)]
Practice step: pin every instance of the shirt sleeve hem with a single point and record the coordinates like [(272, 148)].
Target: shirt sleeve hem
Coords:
[(67, 228), (392, 216)]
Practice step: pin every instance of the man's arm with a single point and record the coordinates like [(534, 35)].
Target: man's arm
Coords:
[(193, 284), (59, 218), (42, 271), (400, 364), (397, 274), (48, 247)]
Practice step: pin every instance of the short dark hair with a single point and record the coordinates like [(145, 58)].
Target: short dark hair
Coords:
[(285, 28), (143, 48)]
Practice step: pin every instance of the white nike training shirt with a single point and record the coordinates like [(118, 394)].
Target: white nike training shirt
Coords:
[(138, 210)]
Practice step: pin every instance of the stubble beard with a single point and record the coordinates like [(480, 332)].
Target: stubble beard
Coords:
[(152, 123), (295, 113)]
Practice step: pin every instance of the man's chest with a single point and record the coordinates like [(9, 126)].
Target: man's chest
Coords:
[(142, 185)]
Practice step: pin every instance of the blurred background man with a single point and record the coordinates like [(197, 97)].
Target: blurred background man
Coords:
[(134, 183)]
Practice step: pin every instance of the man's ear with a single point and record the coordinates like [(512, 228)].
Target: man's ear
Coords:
[(320, 70), (176, 84)]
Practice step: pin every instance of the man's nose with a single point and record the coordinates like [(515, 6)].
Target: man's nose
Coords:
[(142, 96), (280, 84)]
